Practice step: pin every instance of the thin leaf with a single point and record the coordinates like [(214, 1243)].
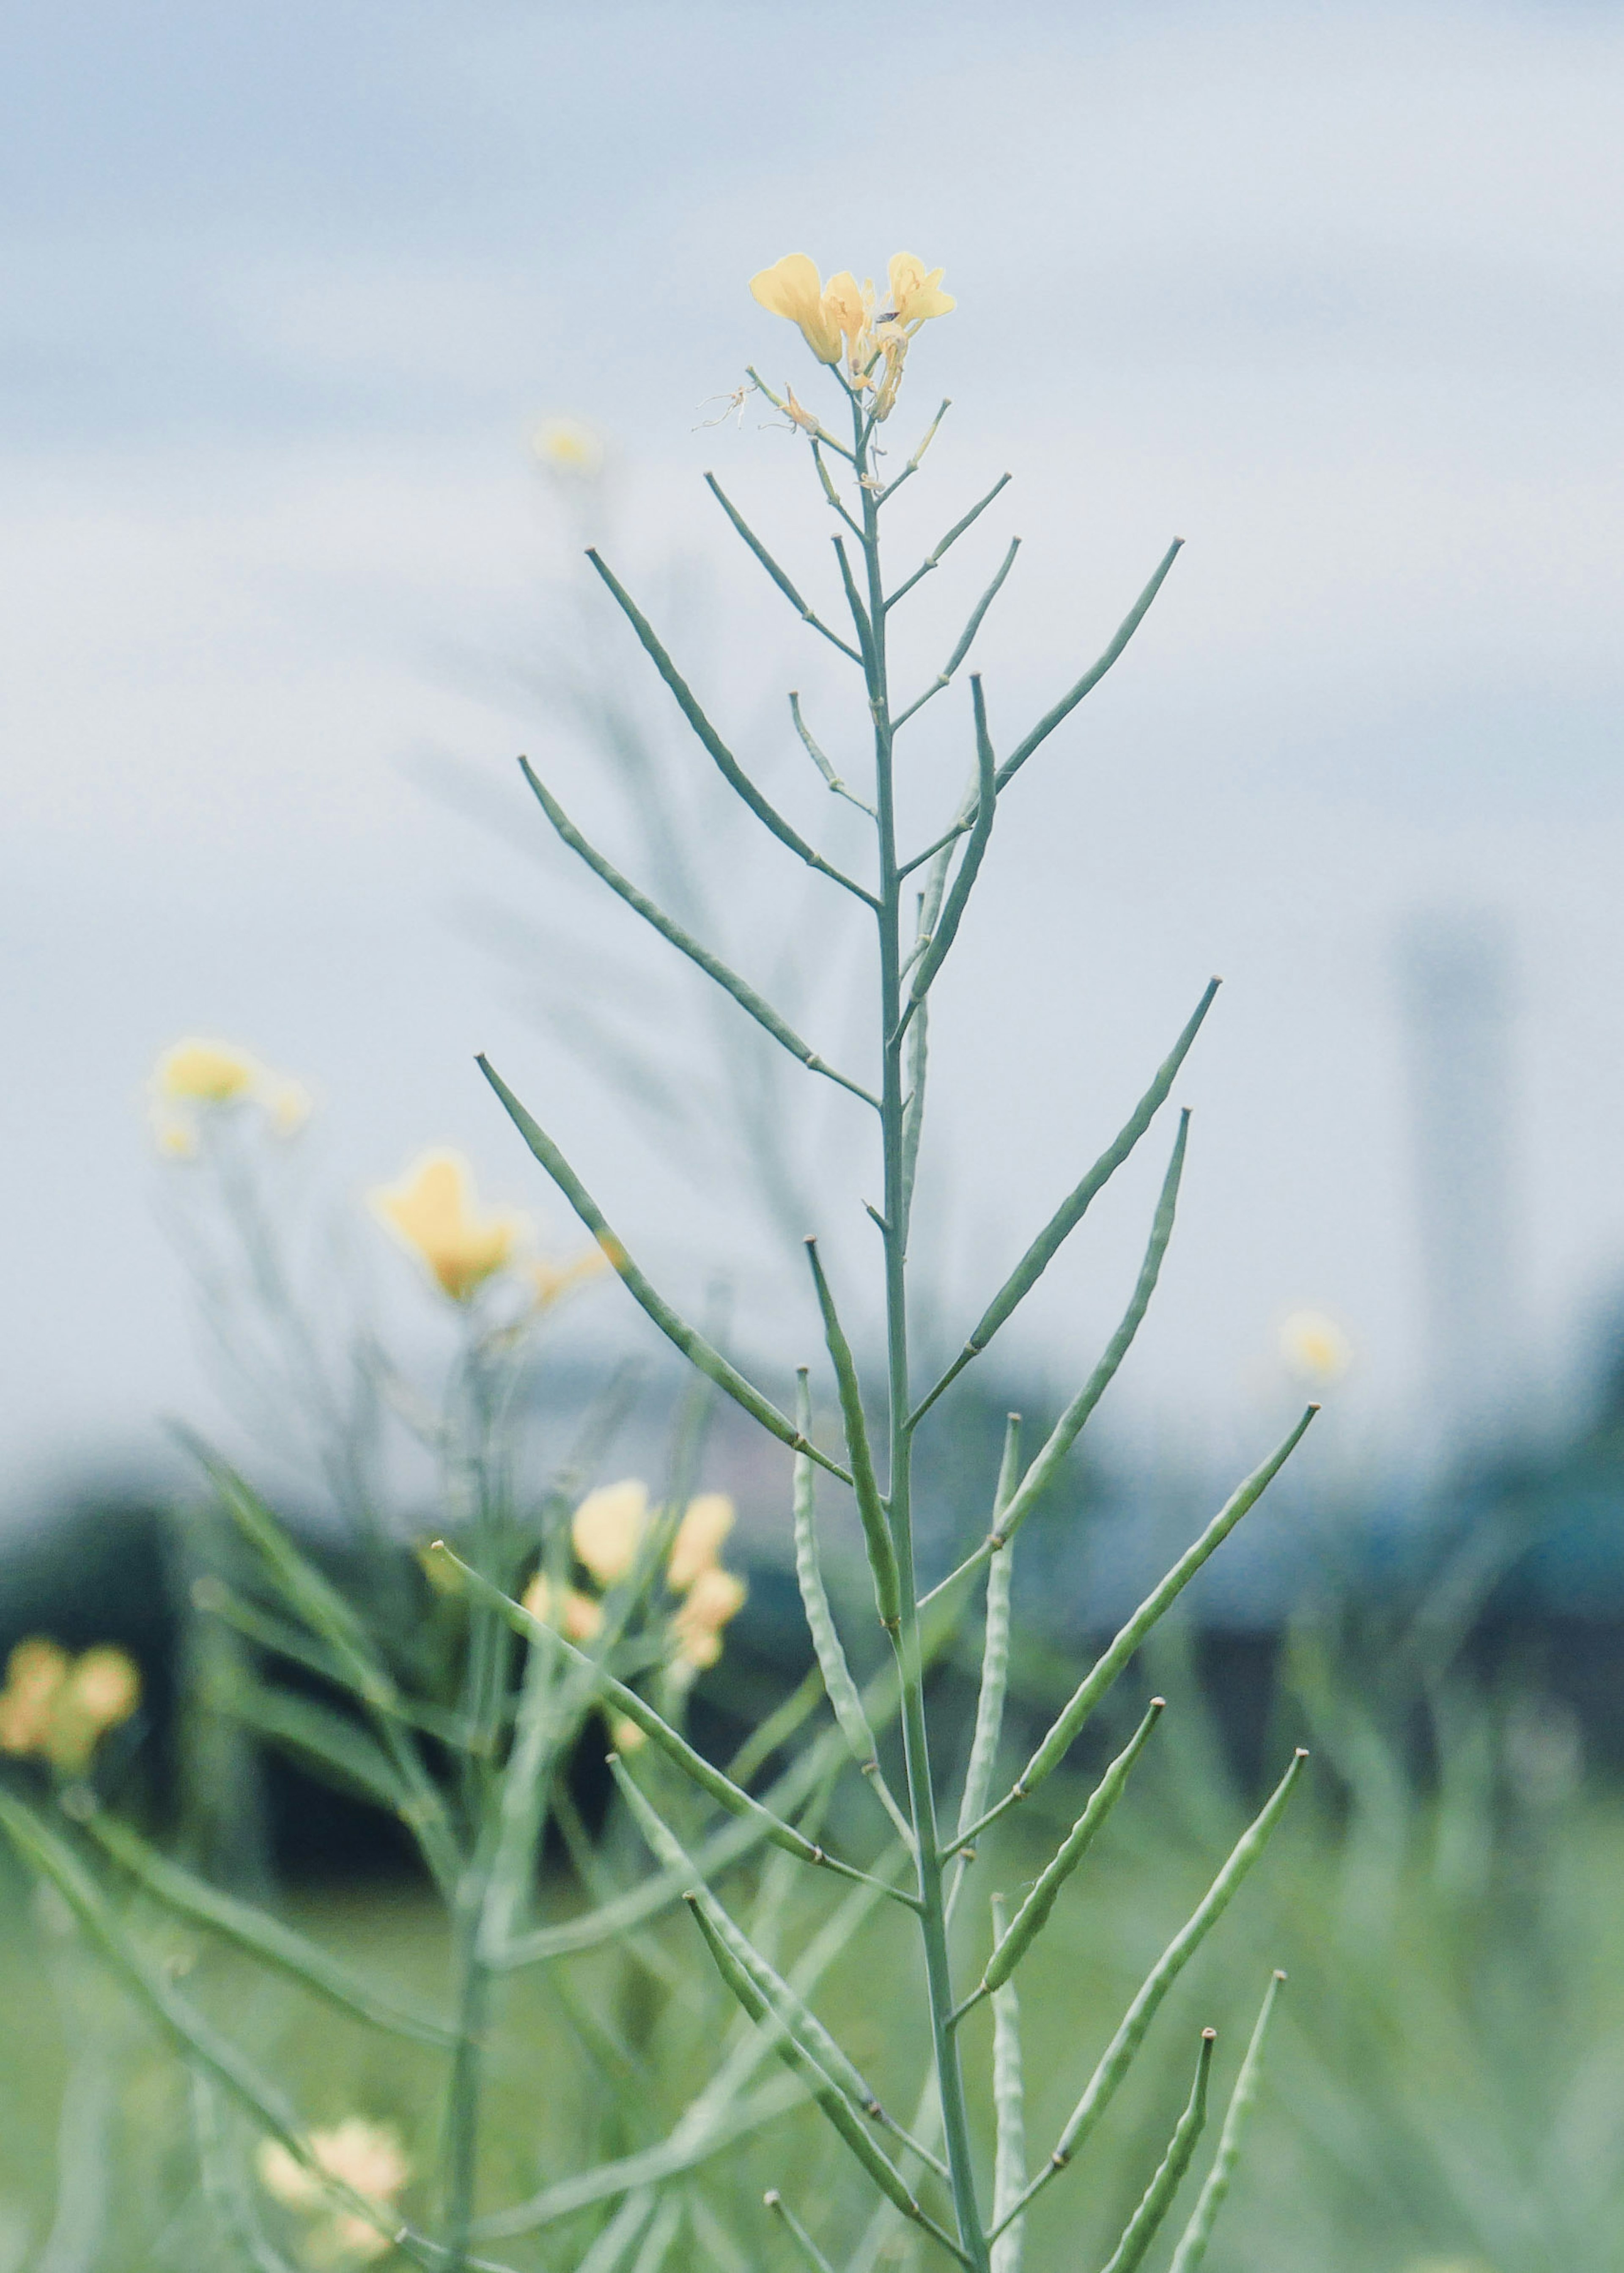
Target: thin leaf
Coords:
[(932, 558), (1193, 2244), (1119, 2053), (1092, 677), (1070, 1425), (699, 1770), (263, 1937), (1146, 2223), (712, 965), (806, 614), (944, 677), (945, 929), (693, 1344), (871, 1508), (1034, 1913), (1072, 1210), (1111, 1662), (726, 763)]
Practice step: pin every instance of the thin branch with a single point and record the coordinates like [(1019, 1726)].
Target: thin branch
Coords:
[(944, 932), (833, 494), (712, 965), (807, 615), (1072, 1210), (1091, 678), (726, 763), (912, 467), (944, 677), (859, 613), (959, 527), (822, 763), (675, 1329), (871, 1508)]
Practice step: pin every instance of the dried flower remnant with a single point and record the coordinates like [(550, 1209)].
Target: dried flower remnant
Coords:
[(434, 1212), (195, 1079), (367, 2157), (58, 1707)]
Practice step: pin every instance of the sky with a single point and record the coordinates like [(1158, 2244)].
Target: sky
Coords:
[(1332, 293)]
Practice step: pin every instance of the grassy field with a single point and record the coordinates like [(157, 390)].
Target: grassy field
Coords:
[(1446, 2087)]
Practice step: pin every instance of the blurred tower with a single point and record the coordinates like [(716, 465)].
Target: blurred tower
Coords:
[(1456, 984)]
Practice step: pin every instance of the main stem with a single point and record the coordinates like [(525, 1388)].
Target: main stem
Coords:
[(916, 1740)]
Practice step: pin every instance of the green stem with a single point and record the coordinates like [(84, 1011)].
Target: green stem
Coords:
[(921, 1791)]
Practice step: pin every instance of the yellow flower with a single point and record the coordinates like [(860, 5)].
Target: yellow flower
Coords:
[(433, 1210), (915, 294), (706, 1523), (609, 1528), (1314, 1347), (793, 288), (580, 1617), (194, 1077), (715, 1597), (366, 2156), (566, 446), (59, 1707)]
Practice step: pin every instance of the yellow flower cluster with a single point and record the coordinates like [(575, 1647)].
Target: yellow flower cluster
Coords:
[(194, 1079), (367, 2156), (435, 1212), (842, 317), (607, 1535), (58, 1707)]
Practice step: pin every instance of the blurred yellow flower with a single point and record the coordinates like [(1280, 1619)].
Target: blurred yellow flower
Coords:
[(625, 1735), (579, 1617), (433, 1210), (58, 1707), (552, 1281), (609, 1528), (567, 446), (715, 1597), (366, 2156), (1314, 1347), (706, 1523), (193, 1077)]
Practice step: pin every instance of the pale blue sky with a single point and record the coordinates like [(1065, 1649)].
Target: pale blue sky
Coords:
[(1334, 293)]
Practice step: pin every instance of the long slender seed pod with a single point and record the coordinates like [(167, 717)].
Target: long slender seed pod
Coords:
[(822, 763), (1146, 2223), (1072, 1210), (642, 1716), (810, 2252), (676, 1330), (944, 677), (841, 1690), (946, 928), (263, 1937), (807, 615), (1193, 2243), (1034, 1913), (726, 763), (933, 558), (1092, 677), (913, 1110), (860, 615), (870, 1507), (832, 2101), (745, 995), (1111, 1662), (791, 2011), (912, 467), (1070, 1425), (1009, 2115), (831, 494), (1118, 2055), (609, 2252), (995, 1645)]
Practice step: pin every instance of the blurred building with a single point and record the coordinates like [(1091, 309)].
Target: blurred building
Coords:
[(1456, 993)]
